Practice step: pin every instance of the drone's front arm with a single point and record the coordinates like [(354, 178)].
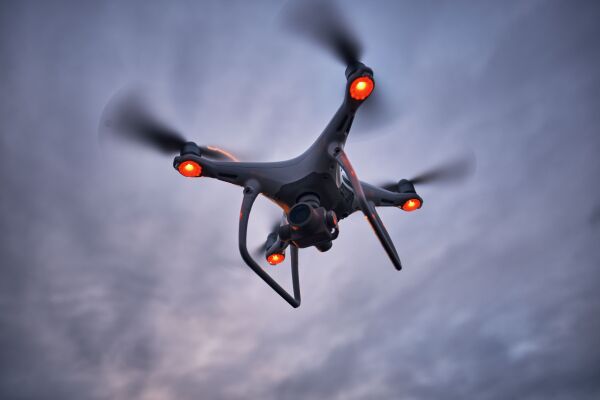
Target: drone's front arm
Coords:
[(269, 175)]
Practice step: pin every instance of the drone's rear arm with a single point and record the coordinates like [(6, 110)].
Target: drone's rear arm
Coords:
[(268, 175)]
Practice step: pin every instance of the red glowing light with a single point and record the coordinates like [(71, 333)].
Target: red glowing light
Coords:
[(361, 88), (191, 169), (411, 205), (276, 258)]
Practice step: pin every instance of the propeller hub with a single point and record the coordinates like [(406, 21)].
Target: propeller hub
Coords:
[(354, 67), (406, 186), (190, 148)]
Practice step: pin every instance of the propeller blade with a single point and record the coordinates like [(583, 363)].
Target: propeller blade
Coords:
[(128, 117), (455, 170), (260, 250), (452, 171), (375, 114), (322, 22)]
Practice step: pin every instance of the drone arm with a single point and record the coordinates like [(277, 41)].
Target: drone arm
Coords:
[(251, 191), (384, 198), (368, 207), (237, 173), (339, 127)]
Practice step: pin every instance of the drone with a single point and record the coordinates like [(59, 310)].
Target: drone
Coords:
[(315, 190)]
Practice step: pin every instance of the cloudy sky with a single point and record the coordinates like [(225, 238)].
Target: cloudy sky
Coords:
[(119, 279)]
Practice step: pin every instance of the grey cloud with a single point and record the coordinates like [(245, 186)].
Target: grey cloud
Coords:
[(121, 280)]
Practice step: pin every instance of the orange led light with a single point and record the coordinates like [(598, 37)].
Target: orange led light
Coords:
[(361, 88), (276, 258), (191, 169), (411, 205)]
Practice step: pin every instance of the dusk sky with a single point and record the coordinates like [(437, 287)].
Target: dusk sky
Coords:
[(120, 279)]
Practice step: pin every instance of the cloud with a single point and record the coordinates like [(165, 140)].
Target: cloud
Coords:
[(121, 280)]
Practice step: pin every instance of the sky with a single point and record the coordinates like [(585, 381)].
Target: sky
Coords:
[(120, 279)]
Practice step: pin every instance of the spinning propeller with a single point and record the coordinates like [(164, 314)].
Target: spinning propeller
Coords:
[(128, 117), (324, 24), (453, 171)]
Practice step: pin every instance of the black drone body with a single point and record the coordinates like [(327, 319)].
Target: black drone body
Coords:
[(310, 188), (315, 189)]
